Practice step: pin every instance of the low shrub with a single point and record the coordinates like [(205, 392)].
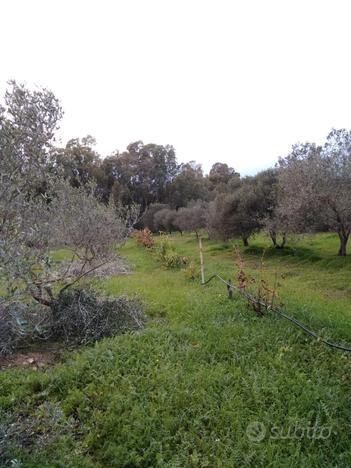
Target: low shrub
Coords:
[(263, 294), (167, 254), (163, 246), (81, 317), (77, 317), (173, 260), (163, 249), (22, 324), (192, 272), (144, 238)]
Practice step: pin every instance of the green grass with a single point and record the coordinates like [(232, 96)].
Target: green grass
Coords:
[(182, 392)]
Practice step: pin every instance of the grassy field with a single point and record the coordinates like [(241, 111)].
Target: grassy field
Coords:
[(207, 383)]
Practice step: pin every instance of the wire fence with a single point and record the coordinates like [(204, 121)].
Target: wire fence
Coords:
[(252, 299)]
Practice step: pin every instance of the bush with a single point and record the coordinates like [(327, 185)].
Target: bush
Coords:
[(78, 317), (148, 218), (22, 324), (81, 317), (165, 220), (191, 272), (192, 218), (174, 260), (144, 238), (163, 246), (168, 256)]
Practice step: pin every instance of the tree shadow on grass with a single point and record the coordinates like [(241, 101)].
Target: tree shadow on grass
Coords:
[(300, 254)]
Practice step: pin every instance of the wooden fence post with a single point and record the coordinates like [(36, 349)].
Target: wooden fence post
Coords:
[(230, 289), (201, 262)]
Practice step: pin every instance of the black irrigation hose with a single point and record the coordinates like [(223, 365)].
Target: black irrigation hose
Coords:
[(278, 312)]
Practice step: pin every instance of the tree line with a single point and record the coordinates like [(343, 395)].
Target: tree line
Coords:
[(307, 190), (142, 175)]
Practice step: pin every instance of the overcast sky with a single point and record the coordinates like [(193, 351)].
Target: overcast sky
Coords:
[(230, 81)]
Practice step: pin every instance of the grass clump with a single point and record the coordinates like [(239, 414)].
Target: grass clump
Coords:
[(168, 255), (192, 271), (163, 249)]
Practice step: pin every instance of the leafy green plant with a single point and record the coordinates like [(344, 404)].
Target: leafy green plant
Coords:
[(173, 260), (168, 255), (191, 272), (163, 246)]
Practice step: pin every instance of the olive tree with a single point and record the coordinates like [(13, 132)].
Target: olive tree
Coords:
[(271, 217), (316, 186), (66, 217), (89, 231), (28, 120), (236, 214), (165, 220), (39, 210), (148, 217), (193, 217)]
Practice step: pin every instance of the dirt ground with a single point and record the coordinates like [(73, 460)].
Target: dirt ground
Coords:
[(32, 359)]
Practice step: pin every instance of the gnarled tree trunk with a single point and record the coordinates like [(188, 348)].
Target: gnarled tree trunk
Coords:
[(273, 236), (282, 243), (277, 245), (344, 237)]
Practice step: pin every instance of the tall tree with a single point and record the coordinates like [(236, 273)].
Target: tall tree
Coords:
[(141, 174), (165, 220), (193, 217), (236, 214), (316, 186), (148, 218), (222, 178), (271, 217), (190, 184), (28, 120), (35, 218), (79, 161)]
